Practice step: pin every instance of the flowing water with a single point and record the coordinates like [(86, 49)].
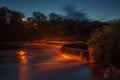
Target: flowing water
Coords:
[(36, 62)]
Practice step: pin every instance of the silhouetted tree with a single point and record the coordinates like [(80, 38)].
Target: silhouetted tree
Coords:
[(107, 45), (11, 25), (4, 15), (3, 22), (39, 17), (54, 17), (30, 19), (17, 25)]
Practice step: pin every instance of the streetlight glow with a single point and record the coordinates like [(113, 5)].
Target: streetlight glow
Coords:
[(23, 19)]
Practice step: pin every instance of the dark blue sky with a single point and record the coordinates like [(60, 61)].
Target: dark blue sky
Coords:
[(94, 9)]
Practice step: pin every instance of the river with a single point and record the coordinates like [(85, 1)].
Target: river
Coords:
[(41, 62)]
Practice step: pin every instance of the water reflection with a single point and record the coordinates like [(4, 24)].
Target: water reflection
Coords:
[(23, 65), (36, 63), (22, 56)]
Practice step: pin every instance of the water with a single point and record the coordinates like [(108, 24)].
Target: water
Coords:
[(36, 62)]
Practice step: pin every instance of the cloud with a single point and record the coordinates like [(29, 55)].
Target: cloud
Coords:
[(72, 13)]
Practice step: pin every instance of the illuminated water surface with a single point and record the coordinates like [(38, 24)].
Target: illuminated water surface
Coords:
[(41, 63)]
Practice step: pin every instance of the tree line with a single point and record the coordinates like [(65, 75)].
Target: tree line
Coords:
[(39, 26)]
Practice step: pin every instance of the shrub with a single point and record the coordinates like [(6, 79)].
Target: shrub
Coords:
[(106, 42)]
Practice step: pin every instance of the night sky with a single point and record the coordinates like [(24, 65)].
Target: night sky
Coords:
[(93, 9)]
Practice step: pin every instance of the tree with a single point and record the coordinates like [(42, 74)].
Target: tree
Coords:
[(39, 17), (54, 17), (106, 42), (16, 17), (17, 29), (4, 15), (11, 25), (30, 19), (4, 11)]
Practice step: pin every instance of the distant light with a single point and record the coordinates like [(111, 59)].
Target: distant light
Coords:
[(23, 19)]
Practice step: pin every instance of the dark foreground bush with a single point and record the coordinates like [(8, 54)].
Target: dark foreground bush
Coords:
[(106, 43)]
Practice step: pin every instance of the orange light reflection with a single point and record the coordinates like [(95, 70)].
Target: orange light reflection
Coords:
[(66, 56), (22, 56), (23, 66), (73, 57)]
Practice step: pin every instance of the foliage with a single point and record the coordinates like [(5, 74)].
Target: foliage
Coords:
[(36, 27), (55, 17), (11, 25), (106, 42), (39, 17)]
